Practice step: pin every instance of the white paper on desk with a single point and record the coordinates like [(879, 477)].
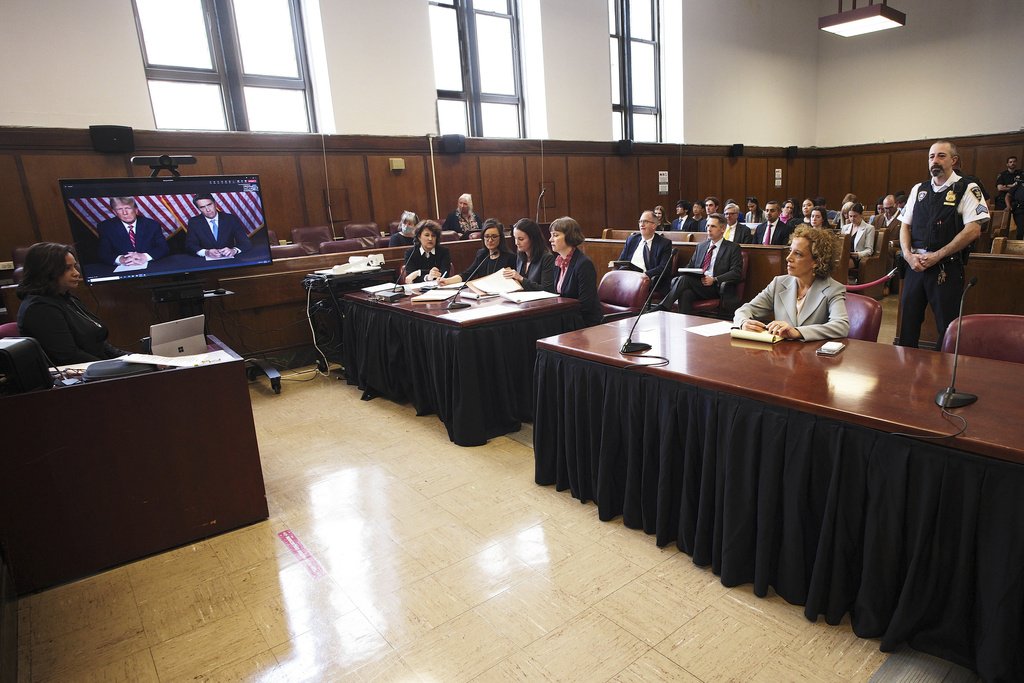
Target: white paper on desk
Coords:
[(180, 361), (712, 329), (478, 313), (434, 295), (386, 287), (495, 283), (124, 269), (523, 297)]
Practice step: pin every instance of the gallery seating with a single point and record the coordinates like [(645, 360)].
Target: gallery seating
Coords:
[(366, 233), (311, 237), (338, 246)]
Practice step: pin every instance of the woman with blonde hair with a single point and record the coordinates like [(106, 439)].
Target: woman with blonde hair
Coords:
[(806, 303), (463, 220)]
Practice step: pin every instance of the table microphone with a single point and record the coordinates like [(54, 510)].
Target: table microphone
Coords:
[(637, 347), (950, 397), (454, 303), (405, 267)]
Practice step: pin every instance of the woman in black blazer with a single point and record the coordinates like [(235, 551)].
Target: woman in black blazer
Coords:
[(427, 259), (535, 269), (493, 257), (63, 326), (575, 274)]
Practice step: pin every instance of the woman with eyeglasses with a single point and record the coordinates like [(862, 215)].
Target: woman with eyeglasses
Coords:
[(493, 257)]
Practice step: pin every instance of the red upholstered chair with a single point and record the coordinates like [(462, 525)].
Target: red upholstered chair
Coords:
[(338, 246), (18, 256), (449, 236), (394, 226), (311, 237), (287, 251), (622, 293), (730, 294), (9, 330), (475, 235), (865, 317), (988, 335), (366, 233), (272, 237), (17, 275), (382, 242)]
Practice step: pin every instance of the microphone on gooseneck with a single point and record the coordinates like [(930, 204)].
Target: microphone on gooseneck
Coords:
[(950, 397), (454, 303), (631, 346), (405, 267), (539, 197)]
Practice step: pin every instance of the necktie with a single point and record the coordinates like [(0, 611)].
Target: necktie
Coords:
[(213, 227), (131, 235), (707, 258), (647, 254), (768, 233)]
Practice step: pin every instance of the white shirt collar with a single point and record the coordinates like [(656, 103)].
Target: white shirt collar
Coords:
[(953, 177)]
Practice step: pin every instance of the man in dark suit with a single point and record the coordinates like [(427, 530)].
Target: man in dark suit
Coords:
[(129, 239), (719, 259), (773, 231), (214, 234), (683, 220), (711, 205), (648, 251), (734, 230)]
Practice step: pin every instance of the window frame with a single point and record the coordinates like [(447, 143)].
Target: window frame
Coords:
[(621, 32), (471, 94), (226, 71)]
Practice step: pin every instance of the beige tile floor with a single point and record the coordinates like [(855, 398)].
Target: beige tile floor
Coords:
[(411, 559)]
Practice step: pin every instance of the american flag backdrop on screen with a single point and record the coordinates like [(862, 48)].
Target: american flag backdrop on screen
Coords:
[(173, 210)]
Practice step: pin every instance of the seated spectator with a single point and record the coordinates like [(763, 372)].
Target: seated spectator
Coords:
[(648, 252), (462, 220), (663, 222), (863, 242), (718, 258), (683, 221), (405, 236), (754, 213), (734, 230)]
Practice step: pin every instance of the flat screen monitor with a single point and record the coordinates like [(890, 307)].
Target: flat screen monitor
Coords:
[(125, 228)]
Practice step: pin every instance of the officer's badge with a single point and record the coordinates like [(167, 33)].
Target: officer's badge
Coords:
[(950, 197), (977, 194)]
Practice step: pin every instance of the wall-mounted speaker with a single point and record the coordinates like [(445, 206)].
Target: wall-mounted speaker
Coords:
[(112, 139), (453, 143), (625, 147), (791, 152), (736, 150)]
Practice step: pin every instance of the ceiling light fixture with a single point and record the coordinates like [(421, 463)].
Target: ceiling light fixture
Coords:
[(857, 21)]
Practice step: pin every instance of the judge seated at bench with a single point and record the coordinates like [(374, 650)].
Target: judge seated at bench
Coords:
[(806, 303), (214, 234), (719, 260)]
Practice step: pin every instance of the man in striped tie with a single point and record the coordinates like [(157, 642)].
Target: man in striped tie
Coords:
[(718, 261), (129, 239)]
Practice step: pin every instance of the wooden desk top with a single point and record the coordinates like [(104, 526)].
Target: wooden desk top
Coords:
[(479, 312), (883, 387)]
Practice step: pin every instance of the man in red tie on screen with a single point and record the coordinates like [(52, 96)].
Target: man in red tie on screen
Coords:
[(719, 261), (129, 239)]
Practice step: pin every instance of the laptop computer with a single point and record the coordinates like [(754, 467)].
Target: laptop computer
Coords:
[(182, 337)]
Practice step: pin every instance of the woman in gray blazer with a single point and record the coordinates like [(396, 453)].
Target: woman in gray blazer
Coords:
[(807, 304)]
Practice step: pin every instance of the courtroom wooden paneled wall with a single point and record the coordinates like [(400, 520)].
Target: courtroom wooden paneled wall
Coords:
[(314, 180)]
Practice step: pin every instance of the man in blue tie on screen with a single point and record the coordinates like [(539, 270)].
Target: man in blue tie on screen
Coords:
[(214, 234)]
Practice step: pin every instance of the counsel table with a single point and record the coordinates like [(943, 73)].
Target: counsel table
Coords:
[(780, 468), (101, 473), (474, 372)]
